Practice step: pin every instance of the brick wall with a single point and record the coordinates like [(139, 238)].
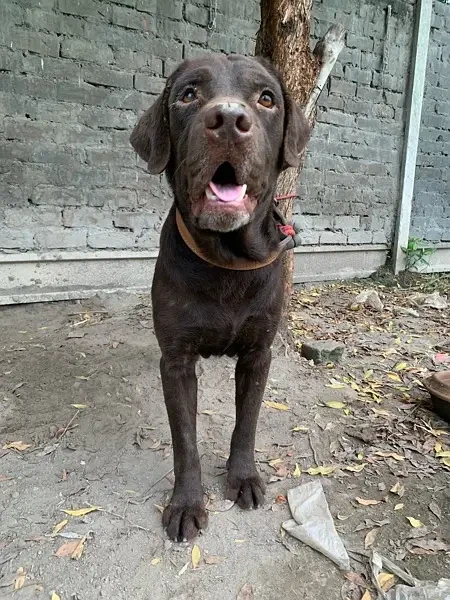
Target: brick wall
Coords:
[(74, 75), (431, 205), (350, 185)]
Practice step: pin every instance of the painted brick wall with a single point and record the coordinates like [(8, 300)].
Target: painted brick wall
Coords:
[(74, 75), (431, 205), (350, 185)]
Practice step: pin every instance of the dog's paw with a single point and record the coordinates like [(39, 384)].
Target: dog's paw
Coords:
[(183, 522), (247, 492)]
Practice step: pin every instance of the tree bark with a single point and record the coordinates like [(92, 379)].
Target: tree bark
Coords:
[(284, 38)]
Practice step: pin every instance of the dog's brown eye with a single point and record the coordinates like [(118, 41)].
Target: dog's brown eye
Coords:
[(189, 95), (266, 99)]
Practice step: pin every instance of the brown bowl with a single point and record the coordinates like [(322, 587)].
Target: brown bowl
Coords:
[(439, 387)]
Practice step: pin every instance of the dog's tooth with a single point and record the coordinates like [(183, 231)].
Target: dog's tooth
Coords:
[(210, 194)]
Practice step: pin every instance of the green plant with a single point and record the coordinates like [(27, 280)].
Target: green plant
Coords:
[(417, 254)]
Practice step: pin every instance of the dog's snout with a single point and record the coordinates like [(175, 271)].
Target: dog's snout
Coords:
[(229, 118)]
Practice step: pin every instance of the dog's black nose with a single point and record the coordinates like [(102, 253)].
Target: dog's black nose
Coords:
[(229, 118)]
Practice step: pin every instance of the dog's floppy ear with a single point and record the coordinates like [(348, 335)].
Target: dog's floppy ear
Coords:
[(296, 133), (151, 138)]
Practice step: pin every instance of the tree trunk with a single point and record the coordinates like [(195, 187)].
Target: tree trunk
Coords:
[(284, 38)]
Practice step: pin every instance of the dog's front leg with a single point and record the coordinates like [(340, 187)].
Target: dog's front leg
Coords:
[(244, 485), (186, 514)]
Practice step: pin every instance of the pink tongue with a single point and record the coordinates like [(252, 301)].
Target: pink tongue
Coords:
[(227, 192)]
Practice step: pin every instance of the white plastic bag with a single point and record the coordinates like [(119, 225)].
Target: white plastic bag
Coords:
[(424, 591), (313, 524)]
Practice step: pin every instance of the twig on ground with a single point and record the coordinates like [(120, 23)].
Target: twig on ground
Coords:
[(148, 495), (113, 514), (68, 425), (400, 573), (285, 344), (316, 458)]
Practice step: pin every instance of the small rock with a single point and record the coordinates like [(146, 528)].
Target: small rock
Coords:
[(401, 310), (322, 351), (368, 298)]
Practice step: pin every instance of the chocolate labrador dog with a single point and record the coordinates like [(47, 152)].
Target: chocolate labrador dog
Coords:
[(223, 129)]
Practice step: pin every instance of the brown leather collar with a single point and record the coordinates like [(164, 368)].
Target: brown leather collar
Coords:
[(239, 264)]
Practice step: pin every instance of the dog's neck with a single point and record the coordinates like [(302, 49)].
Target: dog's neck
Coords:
[(255, 241)]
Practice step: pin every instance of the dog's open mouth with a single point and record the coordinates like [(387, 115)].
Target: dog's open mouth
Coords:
[(223, 187)]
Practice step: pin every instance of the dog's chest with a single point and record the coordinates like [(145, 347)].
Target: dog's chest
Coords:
[(217, 329)]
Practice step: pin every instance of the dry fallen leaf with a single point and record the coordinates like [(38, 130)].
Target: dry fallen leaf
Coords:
[(398, 489), (155, 561), (59, 526), (355, 468), (74, 549), (421, 546), (446, 462), (401, 366), (355, 578), (335, 404), (366, 502), (393, 455), (195, 556), (276, 405), (300, 428), (76, 554), (385, 581), (370, 538), (55, 596), (183, 570), (367, 596), (80, 512), (297, 471), (79, 406), (321, 470), (20, 446), (368, 374), (398, 506), (394, 377), (435, 510), (415, 522), (336, 386), (246, 592), (20, 579)]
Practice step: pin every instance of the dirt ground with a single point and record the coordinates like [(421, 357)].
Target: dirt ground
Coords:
[(81, 404)]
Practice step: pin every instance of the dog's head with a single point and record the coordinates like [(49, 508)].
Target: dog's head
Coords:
[(223, 129)]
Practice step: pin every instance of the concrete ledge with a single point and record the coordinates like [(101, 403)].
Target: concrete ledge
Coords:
[(439, 260), (325, 263), (32, 277), (46, 277)]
